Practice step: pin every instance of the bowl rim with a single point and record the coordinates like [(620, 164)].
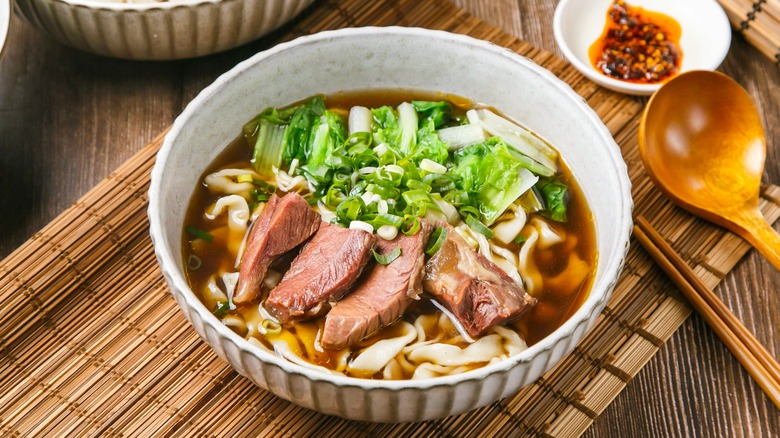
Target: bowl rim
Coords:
[(140, 7), (628, 87), (593, 302)]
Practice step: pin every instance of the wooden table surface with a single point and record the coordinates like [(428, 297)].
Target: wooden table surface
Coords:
[(68, 118)]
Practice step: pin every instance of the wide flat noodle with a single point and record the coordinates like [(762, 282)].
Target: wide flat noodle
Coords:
[(374, 358), (526, 264), (429, 370), (482, 350), (513, 343), (224, 182)]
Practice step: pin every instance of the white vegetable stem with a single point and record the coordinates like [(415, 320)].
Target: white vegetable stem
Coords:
[(518, 137), (359, 119), (407, 121), (457, 137)]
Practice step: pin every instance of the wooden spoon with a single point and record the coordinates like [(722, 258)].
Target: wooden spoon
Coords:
[(702, 143)]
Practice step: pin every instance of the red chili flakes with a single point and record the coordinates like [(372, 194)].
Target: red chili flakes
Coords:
[(637, 45)]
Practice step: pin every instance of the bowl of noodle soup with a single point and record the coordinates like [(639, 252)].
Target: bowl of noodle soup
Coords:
[(424, 365)]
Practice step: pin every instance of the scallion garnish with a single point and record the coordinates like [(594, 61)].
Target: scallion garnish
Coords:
[(271, 327), (386, 259), (436, 240), (194, 262), (200, 234), (221, 309), (519, 240), (478, 226)]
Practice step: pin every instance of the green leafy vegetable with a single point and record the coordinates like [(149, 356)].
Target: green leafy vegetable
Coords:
[(200, 234), (492, 178), (304, 120), (331, 133), (429, 145), (386, 259), (439, 113), (478, 226), (385, 127), (555, 198)]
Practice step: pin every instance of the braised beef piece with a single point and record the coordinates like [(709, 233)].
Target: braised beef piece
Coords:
[(284, 224), (323, 271), (476, 290), (381, 295)]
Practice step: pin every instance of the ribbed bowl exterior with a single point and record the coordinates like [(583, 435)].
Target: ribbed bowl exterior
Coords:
[(383, 58), (158, 31)]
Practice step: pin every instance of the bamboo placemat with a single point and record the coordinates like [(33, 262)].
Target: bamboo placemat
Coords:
[(759, 22), (92, 343)]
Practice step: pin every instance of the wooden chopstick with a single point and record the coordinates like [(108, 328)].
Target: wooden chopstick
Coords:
[(712, 300), (743, 345)]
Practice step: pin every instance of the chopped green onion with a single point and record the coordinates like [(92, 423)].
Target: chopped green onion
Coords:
[(414, 184), (519, 239), (377, 220), (221, 309), (387, 232), (413, 227), (478, 226), (395, 169), (200, 234), (413, 196), (436, 240), (351, 208), (432, 166), (271, 328), (360, 225), (194, 262), (386, 259)]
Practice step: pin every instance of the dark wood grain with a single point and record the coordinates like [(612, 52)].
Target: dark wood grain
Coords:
[(67, 119)]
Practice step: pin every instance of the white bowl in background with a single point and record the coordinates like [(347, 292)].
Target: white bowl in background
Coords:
[(397, 58), (5, 23), (158, 30), (704, 42)]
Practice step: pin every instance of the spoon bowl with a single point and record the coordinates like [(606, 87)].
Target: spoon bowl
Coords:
[(702, 143)]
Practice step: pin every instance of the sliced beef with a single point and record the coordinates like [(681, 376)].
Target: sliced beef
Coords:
[(284, 224), (381, 295), (476, 290), (323, 271)]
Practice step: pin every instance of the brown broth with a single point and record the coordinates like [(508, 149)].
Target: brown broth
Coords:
[(558, 300)]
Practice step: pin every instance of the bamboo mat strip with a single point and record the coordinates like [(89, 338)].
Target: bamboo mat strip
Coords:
[(759, 22), (92, 343)]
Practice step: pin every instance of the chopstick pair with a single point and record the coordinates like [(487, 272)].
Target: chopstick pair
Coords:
[(761, 366)]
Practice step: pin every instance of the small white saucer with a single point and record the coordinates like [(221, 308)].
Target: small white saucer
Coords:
[(705, 39)]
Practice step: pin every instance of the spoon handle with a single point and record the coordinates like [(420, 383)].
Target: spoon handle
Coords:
[(753, 228)]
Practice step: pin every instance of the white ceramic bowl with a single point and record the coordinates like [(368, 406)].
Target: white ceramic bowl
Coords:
[(383, 58), (704, 42), (5, 22), (158, 31)]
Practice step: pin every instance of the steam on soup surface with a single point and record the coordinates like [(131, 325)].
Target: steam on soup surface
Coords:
[(446, 237)]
